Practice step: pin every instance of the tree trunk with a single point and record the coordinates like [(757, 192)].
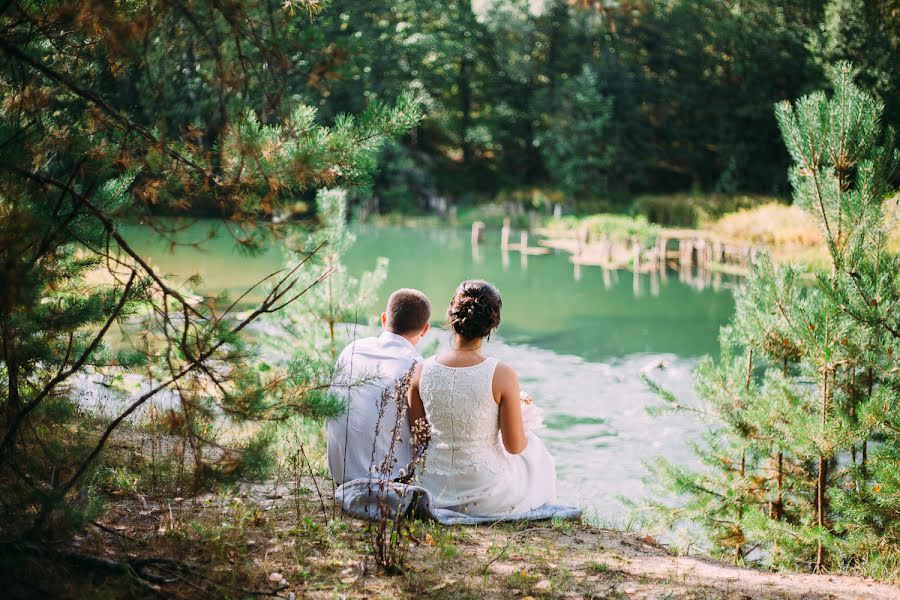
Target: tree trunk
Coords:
[(820, 511), (465, 97), (821, 481), (13, 402)]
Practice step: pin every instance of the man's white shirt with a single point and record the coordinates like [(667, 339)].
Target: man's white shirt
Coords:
[(365, 369)]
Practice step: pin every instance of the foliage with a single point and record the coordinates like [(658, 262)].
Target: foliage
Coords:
[(687, 86), (804, 398), (614, 227), (694, 210), (866, 32), (114, 112), (310, 324), (576, 144)]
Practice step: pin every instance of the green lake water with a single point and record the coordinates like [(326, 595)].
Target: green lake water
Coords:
[(578, 338)]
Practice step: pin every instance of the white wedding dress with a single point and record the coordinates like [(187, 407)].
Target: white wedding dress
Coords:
[(466, 467)]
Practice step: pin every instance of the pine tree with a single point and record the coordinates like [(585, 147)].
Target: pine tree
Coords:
[(93, 137), (311, 323), (808, 377), (577, 144)]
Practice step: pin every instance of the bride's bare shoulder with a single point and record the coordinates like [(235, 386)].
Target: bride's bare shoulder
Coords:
[(505, 372)]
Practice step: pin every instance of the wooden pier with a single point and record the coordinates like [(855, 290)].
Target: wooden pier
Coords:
[(684, 250), (692, 248)]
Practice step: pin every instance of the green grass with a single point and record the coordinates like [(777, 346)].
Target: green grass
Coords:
[(596, 567)]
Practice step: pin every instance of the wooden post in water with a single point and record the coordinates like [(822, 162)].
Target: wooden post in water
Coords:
[(605, 251), (702, 254), (523, 248), (686, 254), (582, 236), (504, 235), (635, 254), (477, 233)]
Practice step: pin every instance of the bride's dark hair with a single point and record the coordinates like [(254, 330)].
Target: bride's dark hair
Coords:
[(475, 309)]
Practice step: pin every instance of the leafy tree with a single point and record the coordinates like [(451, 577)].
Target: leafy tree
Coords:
[(808, 377)]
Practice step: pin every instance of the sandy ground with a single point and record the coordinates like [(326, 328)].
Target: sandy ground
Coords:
[(287, 539), (575, 560)]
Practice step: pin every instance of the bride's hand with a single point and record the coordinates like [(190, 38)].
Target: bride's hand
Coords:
[(532, 414)]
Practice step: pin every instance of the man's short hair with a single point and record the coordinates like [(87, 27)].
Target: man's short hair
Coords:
[(408, 311)]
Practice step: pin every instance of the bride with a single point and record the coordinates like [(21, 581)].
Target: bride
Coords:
[(463, 398)]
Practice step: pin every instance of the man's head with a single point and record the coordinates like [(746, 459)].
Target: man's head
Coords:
[(407, 314)]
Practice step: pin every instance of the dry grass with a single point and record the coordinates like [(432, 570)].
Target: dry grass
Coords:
[(775, 225), (789, 232)]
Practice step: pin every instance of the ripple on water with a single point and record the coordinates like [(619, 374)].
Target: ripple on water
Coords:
[(597, 426)]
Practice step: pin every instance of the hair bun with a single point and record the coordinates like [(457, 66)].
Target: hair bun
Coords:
[(475, 309)]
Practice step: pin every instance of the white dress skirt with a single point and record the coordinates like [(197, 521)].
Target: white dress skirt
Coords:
[(466, 467)]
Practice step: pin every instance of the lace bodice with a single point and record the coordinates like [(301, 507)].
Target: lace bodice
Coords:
[(464, 418)]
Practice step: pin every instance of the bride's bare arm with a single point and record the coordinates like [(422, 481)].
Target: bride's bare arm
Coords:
[(508, 396), (418, 424)]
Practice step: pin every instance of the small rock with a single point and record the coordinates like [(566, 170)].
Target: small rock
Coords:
[(542, 585), (502, 569), (276, 577)]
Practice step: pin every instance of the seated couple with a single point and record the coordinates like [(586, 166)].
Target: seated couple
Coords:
[(480, 459)]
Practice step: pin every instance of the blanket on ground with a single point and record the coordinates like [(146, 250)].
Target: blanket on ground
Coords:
[(372, 498)]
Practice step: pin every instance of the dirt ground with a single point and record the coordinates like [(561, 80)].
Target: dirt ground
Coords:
[(290, 541)]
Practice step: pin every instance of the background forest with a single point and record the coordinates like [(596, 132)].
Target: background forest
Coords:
[(596, 101)]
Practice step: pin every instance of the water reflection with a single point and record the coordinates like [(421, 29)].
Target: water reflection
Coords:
[(694, 276)]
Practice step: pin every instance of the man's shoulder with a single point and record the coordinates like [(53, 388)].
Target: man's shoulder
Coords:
[(360, 345)]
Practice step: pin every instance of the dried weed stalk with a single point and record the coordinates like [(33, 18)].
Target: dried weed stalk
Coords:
[(389, 531)]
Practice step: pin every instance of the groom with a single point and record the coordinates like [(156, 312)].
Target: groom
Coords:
[(365, 369)]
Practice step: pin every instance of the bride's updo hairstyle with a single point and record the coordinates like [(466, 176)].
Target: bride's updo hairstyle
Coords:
[(475, 309)]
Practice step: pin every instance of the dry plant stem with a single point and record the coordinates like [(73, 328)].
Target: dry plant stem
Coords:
[(388, 531), (503, 550), (315, 482)]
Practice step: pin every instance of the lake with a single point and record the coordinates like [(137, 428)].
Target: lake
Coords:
[(579, 339)]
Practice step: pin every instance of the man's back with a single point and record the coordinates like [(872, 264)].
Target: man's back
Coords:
[(366, 368)]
